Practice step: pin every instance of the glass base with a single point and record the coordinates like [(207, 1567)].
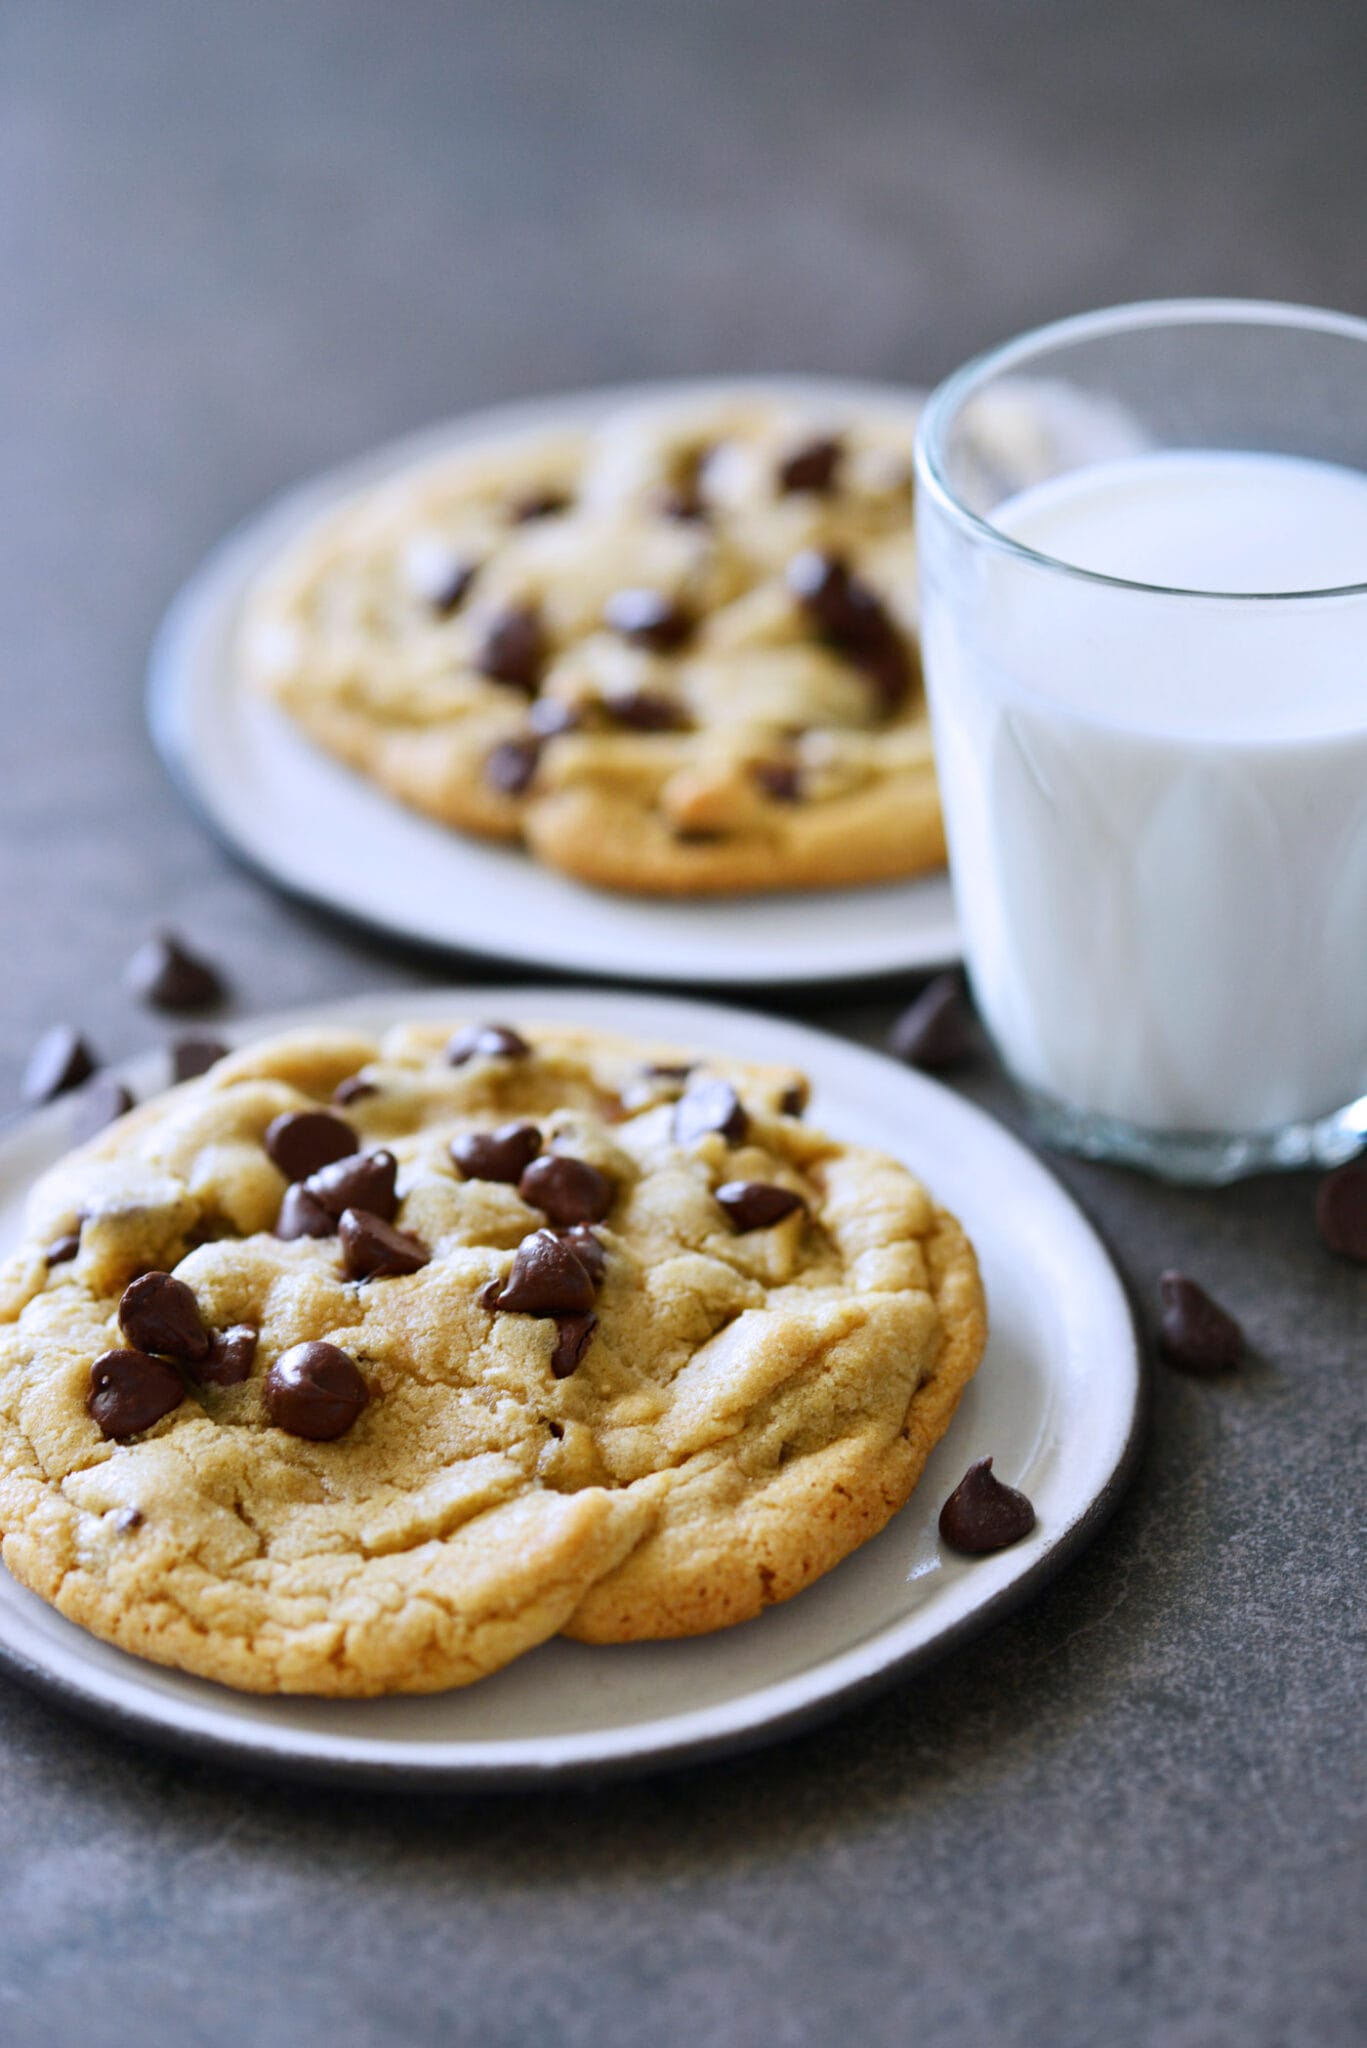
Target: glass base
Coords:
[(1198, 1158)]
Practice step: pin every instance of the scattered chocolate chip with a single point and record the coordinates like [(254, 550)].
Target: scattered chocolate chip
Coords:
[(303, 1215), (568, 1190), (449, 588), (126, 1520), (709, 1104), (572, 1334), (778, 779), (853, 620), (353, 1089), (63, 1249), (547, 1279), (60, 1060), (982, 1515), (1341, 1210), (191, 1057), (648, 618), (755, 1204), (510, 766), (488, 1041), (550, 716), (937, 1029), (315, 1391), (130, 1390), (99, 1104), (513, 649), (813, 466), (231, 1353), (158, 1313), (301, 1141), (164, 974), (793, 1100), (1194, 1331), (364, 1181), (374, 1250), (502, 1154), (542, 504), (587, 1249), (647, 711)]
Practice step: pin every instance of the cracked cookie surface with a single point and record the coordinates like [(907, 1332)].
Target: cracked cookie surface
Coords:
[(634, 1353), (674, 652)]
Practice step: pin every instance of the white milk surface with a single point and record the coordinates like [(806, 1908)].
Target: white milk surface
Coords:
[(1157, 802)]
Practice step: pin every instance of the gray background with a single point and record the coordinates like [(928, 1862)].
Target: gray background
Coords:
[(240, 242)]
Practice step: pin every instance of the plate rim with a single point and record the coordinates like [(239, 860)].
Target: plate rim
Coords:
[(212, 578), (633, 1749)]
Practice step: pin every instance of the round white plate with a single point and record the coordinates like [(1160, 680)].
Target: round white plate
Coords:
[(307, 822), (1056, 1402)]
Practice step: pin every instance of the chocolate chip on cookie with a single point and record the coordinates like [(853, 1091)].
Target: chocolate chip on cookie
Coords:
[(513, 649), (936, 1031), (502, 1154), (1194, 1332), (588, 1249), (567, 1190), (755, 1204), (303, 1215), (353, 1089), (63, 1249), (853, 620), (60, 1060), (709, 1104), (510, 766), (301, 1141), (647, 711), (486, 1041), (542, 504), (164, 973), (374, 1250), (450, 585), (813, 466), (364, 1181), (572, 1334), (193, 1056), (102, 1102), (130, 1390), (159, 1313), (983, 1515), (648, 618), (794, 1100), (128, 1520), (1341, 1210), (315, 1391), (547, 1279), (229, 1359), (779, 780)]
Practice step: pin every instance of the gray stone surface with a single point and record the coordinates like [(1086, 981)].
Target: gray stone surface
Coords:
[(240, 242)]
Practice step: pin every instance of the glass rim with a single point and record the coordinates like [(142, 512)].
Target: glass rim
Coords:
[(949, 397)]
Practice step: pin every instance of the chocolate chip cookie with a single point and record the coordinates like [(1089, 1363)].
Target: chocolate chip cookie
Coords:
[(357, 1366), (674, 652)]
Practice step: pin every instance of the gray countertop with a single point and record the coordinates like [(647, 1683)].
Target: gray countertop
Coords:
[(239, 243)]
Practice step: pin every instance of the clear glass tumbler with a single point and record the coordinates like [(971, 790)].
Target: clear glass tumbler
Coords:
[(1155, 781)]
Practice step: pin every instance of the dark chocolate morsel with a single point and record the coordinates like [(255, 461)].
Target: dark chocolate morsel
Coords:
[(646, 711), (488, 1041), (547, 1279), (301, 1141), (709, 1104), (303, 1215), (354, 1089), (510, 766), (126, 1520), (568, 1190), (60, 1060), (649, 618), (936, 1030), (664, 1072), (374, 1250), (158, 1313), (513, 649), (63, 1248), (101, 1102), (1341, 1210), (541, 504), (588, 1249), (164, 974), (1194, 1332), (572, 1334), (231, 1353), (982, 1515), (854, 620), (193, 1056), (794, 1100), (364, 1181), (130, 1390), (315, 1391), (779, 780), (755, 1204), (813, 466), (503, 1154)]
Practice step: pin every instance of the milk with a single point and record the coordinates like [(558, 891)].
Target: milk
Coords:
[(1157, 804)]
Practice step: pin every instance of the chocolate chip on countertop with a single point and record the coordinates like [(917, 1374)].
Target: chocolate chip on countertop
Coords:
[(572, 1334), (301, 1141), (813, 466), (1194, 1332), (502, 1154), (374, 1250), (983, 1515), (755, 1204), (935, 1031), (542, 504), (513, 649), (648, 618), (779, 780), (193, 1056), (60, 1060), (1341, 1210), (487, 1041), (100, 1103), (510, 766), (647, 711), (130, 1390), (568, 1190), (353, 1089), (366, 1180), (230, 1357), (159, 1313), (315, 1391), (547, 1279), (709, 1104), (303, 1215), (63, 1249), (164, 974), (588, 1249)]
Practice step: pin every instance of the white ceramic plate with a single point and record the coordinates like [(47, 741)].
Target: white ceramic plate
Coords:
[(1056, 1402), (310, 824)]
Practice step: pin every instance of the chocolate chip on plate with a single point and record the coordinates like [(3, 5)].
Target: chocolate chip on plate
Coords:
[(983, 1515), (513, 649), (755, 1204), (588, 1249), (230, 1357), (315, 1391), (193, 1056), (354, 1089), (303, 1215), (366, 1180), (100, 1103), (487, 1041), (374, 1250), (779, 780), (162, 972), (648, 618), (542, 504), (510, 766), (813, 466), (130, 1390), (159, 1313), (502, 1154), (1194, 1332), (302, 1140), (547, 1279), (1341, 1210), (935, 1031), (63, 1249), (572, 1334), (709, 1104), (60, 1060), (647, 711), (568, 1190)]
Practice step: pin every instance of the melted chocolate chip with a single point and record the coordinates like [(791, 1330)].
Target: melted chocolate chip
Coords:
[(60, 1060), (572, 1334), (853, 620), (488, 1041), (192, 1056), (936, 1031), (303, 1215), (130, 1390), (449, 589), (647, 711), (159, 1313), (549, 717), (982, 1515), (162, 972), (709, 1104), (315, 1391), (302, 1141), (1341, 1210), (510, 766), (126, 1520), (542, 504), (1194, 1331), (503, 1154), (63, 1249), (813, 466), (568, 1190), (547, 1279), (779, 780), (364, 1181), (755, 1204), (353, 1089), (513, 649), (231, 1354), (99, 1104), (648, 618), (374, 1250), (587, 1249)]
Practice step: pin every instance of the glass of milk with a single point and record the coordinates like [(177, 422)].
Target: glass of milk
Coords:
[(1143, 549)]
